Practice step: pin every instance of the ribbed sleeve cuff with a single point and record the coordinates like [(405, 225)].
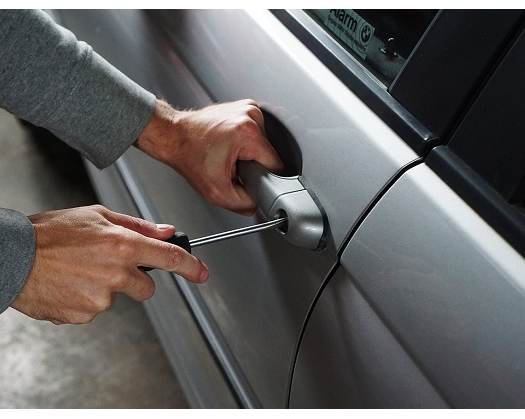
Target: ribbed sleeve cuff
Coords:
[(17, 252)]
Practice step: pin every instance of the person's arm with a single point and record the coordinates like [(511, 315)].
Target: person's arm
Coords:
[(51, 79)]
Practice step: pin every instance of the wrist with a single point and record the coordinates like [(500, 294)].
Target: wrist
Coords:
[(160, 137)]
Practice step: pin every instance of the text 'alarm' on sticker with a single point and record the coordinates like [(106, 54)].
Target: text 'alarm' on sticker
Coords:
[(349, 27)]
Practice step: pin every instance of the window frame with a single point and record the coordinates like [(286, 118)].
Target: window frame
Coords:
[(457, 70), (397, 110), (355, 76), (457, 170)]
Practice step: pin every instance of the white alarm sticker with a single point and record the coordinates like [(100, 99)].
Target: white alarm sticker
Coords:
[(349, 27)]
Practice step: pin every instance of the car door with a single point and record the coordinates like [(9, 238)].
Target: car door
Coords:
[(339, 121), (426, 307), (261, 286)]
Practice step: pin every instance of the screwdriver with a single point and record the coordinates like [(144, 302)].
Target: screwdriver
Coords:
[(182, 240)]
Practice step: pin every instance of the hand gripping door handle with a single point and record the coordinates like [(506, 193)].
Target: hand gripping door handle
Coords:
[(278, 196)]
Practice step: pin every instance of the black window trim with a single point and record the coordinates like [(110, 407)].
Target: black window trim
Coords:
[(479, 196), (448, 67), (507, 218), (354, 75)]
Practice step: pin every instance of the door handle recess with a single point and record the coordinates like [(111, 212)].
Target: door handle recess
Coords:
[(278, 196)]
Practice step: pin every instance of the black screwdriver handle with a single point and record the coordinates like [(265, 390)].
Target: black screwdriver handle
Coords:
[(178, 239)]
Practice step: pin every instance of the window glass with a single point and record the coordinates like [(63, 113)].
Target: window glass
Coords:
[(380, 39)]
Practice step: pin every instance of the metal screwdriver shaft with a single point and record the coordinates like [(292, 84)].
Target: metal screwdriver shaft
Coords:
[(269, 225), (181, 239)]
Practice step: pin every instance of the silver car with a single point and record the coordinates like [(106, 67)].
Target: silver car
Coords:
[(400, 279)]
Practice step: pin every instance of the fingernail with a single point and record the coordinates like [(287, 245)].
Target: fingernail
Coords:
[(164, 226)]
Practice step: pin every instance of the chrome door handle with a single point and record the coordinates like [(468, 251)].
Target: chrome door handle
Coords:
[(278, 196)]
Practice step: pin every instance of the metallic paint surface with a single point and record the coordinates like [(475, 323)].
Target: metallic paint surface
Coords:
[(449, 287), (349, 358)]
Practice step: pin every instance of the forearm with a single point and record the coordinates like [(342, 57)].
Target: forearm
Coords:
[(17, 251), (53, 80)]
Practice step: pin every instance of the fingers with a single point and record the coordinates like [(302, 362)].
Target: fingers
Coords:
[(146, 228), (139, 286), (232, 197), (256, 114), (162, 255), (148, 249), (239, 200), (266, 155), (260, 150)]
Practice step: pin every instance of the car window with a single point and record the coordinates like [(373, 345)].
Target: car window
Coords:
[(381, 40)]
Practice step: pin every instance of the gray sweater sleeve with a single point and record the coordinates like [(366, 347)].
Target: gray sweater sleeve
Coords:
[(17, 247), (52, 80)]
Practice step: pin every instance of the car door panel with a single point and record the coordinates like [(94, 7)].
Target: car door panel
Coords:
[(260, 286), (449, 288), (350, 359)]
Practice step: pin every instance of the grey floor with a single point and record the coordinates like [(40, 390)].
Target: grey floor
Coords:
[(114, 362)]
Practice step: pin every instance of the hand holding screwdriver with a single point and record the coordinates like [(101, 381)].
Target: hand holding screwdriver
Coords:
[(182, 240)]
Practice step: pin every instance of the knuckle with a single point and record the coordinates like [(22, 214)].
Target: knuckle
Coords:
[(121, 243), (248, 124), (101, 209), (112, 236), (102, 304), (138, 223), (214, 195), (118, 280), (175, 257), (250, 102), (124, 249), (253, 111)]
